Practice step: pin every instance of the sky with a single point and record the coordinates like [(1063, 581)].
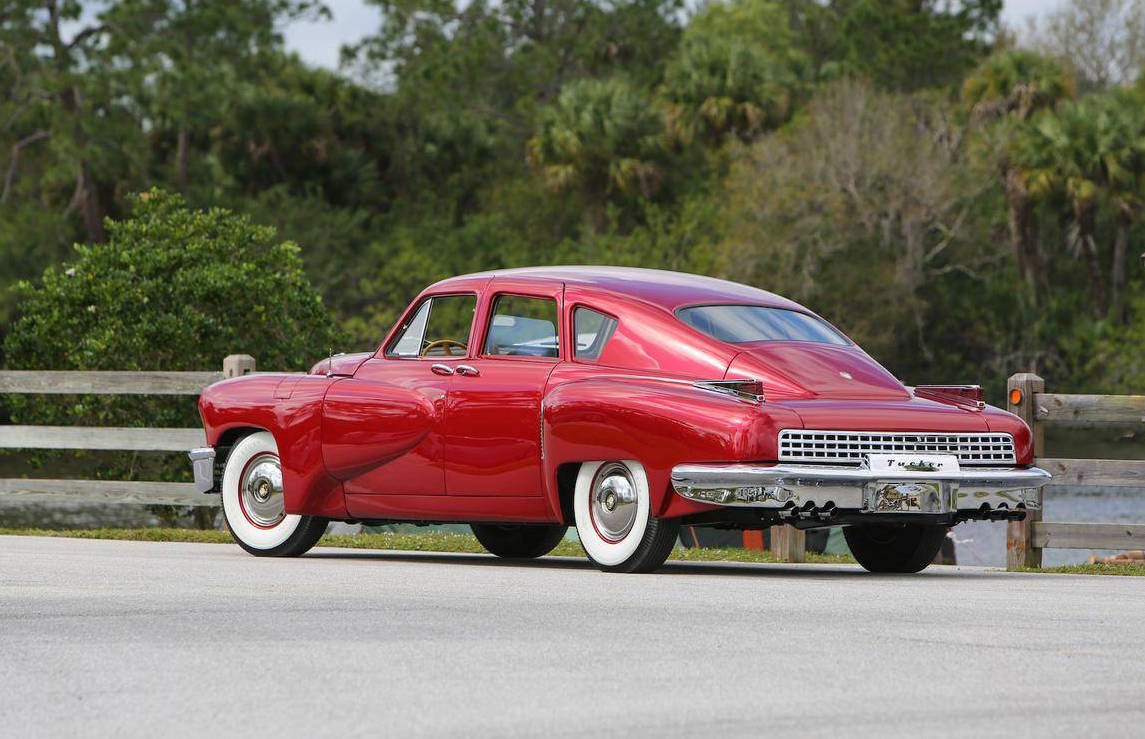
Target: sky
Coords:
[(319, 43)]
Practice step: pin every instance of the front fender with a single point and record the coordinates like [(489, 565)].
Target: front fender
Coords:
[(660, 424), (290, 408)]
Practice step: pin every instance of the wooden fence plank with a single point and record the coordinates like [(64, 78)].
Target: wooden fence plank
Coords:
[(1090, 410), (788, 543), (94, 437), (1097, 472), (106, 383), (104, 491), (1088, 535)]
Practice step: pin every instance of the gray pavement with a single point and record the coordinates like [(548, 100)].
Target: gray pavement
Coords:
[(101, 638)]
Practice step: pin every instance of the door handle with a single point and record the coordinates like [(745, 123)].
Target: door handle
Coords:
[(442, 369), (467, 370)]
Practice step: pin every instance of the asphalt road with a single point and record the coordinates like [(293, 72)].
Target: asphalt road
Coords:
[(101, 638)]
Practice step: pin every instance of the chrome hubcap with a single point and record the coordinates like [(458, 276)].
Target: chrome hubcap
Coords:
[(260, 491), (613, 504)]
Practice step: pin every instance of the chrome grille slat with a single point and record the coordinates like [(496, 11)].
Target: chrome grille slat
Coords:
[(850, 447)]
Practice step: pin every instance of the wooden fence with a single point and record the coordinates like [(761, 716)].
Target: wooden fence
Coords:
[(1026, 397), (37, 382)]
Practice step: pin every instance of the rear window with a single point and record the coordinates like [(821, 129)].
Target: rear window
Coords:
[(744, 324)]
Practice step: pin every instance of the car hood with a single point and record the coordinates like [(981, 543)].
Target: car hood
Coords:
[(800, 370)]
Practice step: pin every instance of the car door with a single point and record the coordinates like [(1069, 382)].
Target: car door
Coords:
[(493, 414), (383, 428)]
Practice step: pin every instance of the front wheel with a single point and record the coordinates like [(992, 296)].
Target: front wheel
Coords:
[(520, 541), (613, 511), (253, 506), (894, 547)]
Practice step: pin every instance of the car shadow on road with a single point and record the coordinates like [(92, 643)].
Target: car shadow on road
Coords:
[(736, 569)]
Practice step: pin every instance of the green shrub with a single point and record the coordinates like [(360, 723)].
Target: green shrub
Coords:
[(172, 289)]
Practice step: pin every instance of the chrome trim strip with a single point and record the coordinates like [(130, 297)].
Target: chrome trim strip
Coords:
[(732, 387), (203, 465), (781, 485)]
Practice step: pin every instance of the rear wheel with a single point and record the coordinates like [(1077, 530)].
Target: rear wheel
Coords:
[(253, 505), (894, 547), (520, 541), (613, 511)]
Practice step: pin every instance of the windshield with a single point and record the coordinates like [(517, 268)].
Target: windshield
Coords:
[(744, 324)]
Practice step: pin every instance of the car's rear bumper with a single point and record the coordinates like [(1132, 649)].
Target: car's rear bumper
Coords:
[(825, 487), (203, 466)]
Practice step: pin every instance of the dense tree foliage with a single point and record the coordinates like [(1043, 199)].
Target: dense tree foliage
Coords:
[(964, 207)]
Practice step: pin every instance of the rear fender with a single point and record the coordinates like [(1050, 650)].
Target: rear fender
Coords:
[(658, 423)]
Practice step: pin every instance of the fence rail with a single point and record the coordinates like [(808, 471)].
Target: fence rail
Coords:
[(31, 382), (1025, 540), (1089, 410)]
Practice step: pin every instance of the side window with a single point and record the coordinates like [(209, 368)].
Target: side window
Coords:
[(522, 327), (439, 328), (409, 343), (593, 330)]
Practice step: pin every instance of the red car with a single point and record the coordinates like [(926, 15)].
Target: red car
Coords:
[(625, 402)]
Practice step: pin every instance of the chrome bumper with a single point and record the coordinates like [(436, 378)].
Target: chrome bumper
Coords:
[(203, 465), (858, 488)]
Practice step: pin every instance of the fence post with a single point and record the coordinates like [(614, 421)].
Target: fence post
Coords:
[(788, 544), (238, 364), (1020, 551)]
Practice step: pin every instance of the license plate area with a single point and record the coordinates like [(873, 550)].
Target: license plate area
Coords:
[(906, 487)]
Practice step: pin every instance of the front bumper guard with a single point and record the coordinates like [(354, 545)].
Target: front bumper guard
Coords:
[(824, 487), (203, 465)]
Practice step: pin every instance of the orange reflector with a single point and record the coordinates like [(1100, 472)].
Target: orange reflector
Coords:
[(1015, 397)]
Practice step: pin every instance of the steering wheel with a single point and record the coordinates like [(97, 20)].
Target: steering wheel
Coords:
[(447, 345)]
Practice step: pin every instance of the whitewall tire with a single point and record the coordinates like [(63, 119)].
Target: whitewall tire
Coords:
[(253, 502), (613, 511)]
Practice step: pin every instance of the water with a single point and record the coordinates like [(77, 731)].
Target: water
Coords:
[(984, 543)]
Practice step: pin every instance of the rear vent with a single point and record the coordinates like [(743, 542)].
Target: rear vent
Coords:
[(851, 447)]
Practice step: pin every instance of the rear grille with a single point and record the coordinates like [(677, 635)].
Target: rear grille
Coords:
[(850, 447)]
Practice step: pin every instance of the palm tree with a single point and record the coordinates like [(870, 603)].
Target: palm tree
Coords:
[(739, 71), (725, 86), (1062, 155), (601, 139), (1123, 162), (1002, 93)]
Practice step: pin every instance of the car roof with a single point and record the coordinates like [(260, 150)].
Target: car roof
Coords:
[(669, 290)]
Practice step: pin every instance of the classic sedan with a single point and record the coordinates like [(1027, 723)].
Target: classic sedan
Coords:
[(624, 402)]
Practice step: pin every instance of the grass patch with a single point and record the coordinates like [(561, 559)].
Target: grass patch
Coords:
[(1130, 568), (430, 541)]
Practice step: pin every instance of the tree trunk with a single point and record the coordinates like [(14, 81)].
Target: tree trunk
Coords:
[(1085, 226), (182, 152), (90, 207), (1020, 218), (71, 100), (1117, 269)]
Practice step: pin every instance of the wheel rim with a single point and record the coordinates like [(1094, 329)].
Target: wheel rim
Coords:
[(612, 505), (260, 492)]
